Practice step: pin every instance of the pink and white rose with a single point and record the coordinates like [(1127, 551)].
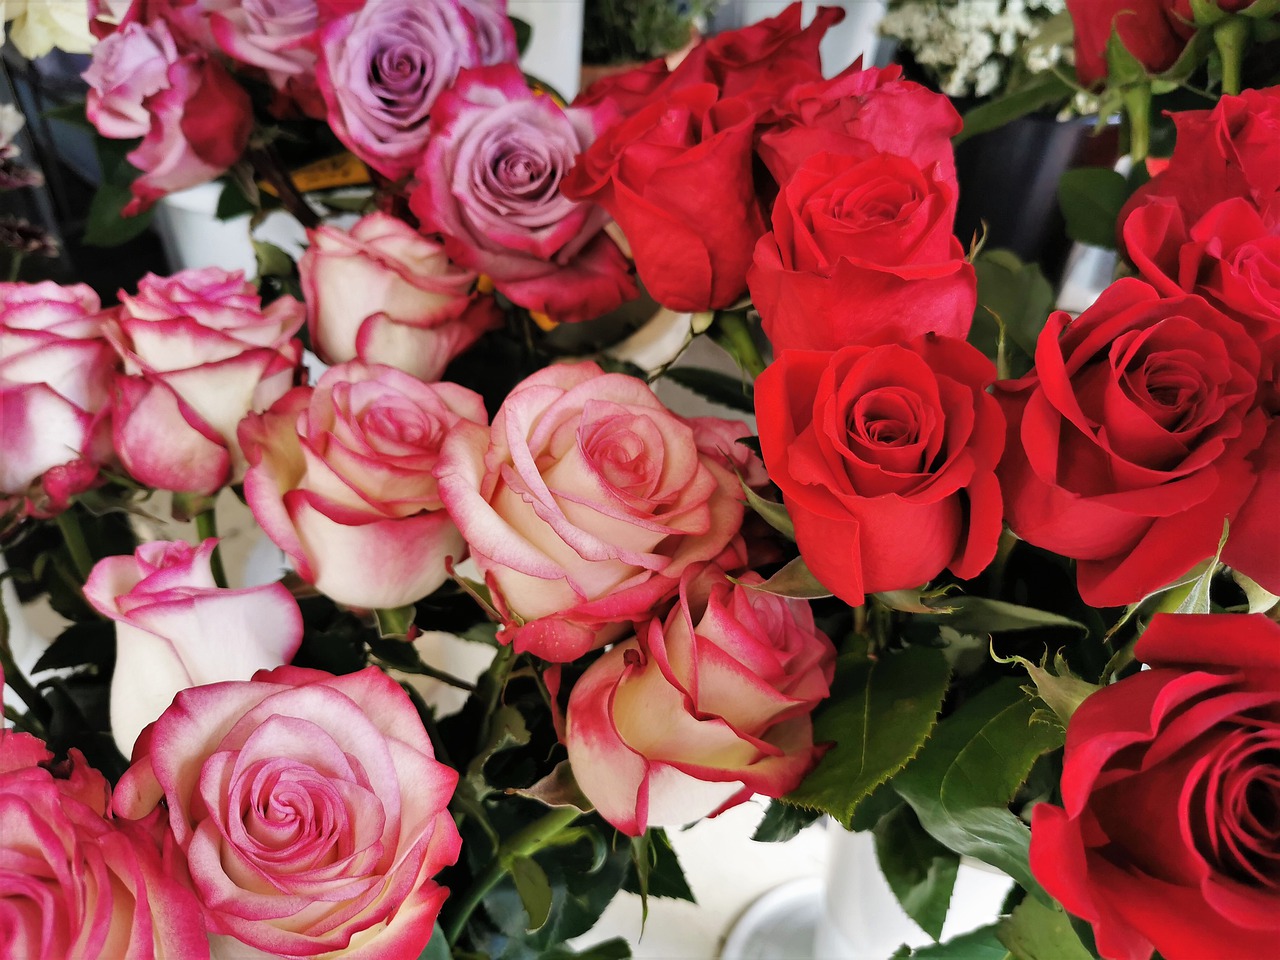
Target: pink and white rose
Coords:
[(74, 883), (311, 809), (583, 505), (55, 379), (706, 707), (128, 67), (381, 69), (383, 293), (341, 479), (199, 353), (176, 628), (489, 182)]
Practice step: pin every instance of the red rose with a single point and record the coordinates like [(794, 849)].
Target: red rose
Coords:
[(1131, 442), (861, 252), (1166, 838), (629, 90), (857, 111), (677, 179), (885, 456)]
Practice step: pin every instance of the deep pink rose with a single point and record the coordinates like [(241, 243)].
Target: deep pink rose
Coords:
[(490, 183), (128, 67), (76, 884), (583, 505), (733, 677), (341, 479), (311, 809), (382, 67), (176, 628), (199, 353), (55, 378), (276, 36), (383, 293)]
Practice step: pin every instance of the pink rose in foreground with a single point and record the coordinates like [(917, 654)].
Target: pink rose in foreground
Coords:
[(383, 293), (175, 628), (382, 67), (199, 353), (584, 505), (193, 117), (55, 377), (75, 884), (705, 708), (341, 480), (311, 809), (490, 183)]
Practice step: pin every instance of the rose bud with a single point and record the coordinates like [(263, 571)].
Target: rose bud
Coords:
[(1166, 839), (705, 708), (583, 505), (76, 884), (311, 810), (381, 68), (199, 353), (383, 293), (340, 478), (489, 182), (55, 378), (886, 459), (175, 628)]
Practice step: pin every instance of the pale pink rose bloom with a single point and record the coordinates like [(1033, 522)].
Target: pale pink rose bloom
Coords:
[(311, 809), (199, 353), (383, 293), (55, 376), (128, 67), (277, 36), (583, 505), (76, 884), (702, 710), (341, 479), (494, 33), (176, 628)]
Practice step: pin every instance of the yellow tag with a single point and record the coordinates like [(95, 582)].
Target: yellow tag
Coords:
[(484, 284), (342, 170), (545, 323)]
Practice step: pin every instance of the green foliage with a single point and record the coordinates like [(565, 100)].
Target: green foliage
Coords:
[(1041, 90), (1038, 931), (920, 871), (617, 31), (1014, 301), (655, 869), (880, 713), (980, 944), (1091, 198), (782, 822), (795, 581), (105, 225), (736, 393)]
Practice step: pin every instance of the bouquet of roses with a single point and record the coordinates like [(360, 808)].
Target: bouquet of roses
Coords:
[(916, 595)]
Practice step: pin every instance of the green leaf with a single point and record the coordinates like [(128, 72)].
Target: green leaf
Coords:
[(524, 33), (105, 226), (1039, 931), (980, 944), (879, 714), (1059, 688), (775, 514), (72, 113), (1091, 198), (395, 621), (656, 870), (782, 821), (733, 392), (232, 202), (961, 784), (1260, 599), (615, 949), (1041, 90), (272, 261), (1014, 296), (1197, 598), (794, 581), (969, 614), (437, 947), (91, 642), (507, 730), (920, 871), (534, 889)]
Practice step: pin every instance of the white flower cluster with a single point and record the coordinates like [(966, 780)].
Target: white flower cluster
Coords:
[(968, 44)]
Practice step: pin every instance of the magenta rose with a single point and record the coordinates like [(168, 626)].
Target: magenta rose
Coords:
[(381, 69), (55, 378), (193, 117), (383, 293), (176, 628), (74, 883), (341, 479), (733, 675), (276, 36), (311, 810), (199, 353), (490, 183), (583, 505)]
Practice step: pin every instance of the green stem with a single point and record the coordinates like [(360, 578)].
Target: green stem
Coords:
[(73, 537), (1231, 36), (266, 161), (15, 264), (524, 843), (1137, 103), (735, 336), (38, 710), (206, 527)]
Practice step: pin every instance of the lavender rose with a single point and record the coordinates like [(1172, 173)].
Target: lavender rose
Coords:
[(381, 69), (490, 183)]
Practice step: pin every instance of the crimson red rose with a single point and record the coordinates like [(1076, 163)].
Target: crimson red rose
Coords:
[(628, 90), (857, 111), (1166, 838), (677, 179), (861, 252), (1134, 438), (885, 457)]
